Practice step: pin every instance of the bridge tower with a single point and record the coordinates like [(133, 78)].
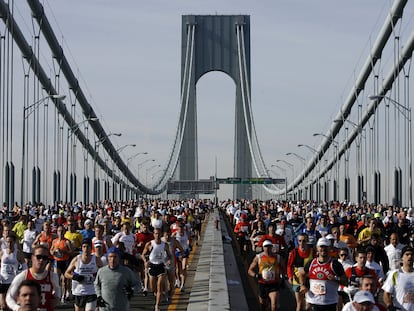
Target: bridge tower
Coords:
[(215, 46)]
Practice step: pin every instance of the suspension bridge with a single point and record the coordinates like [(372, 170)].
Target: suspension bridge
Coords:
[(55, 151)]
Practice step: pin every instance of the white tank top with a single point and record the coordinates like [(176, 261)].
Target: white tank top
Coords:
[(9, 266), (157, 254), (183, 239), (88, 270)]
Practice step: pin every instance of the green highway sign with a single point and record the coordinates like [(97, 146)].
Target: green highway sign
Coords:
[(250, 181)]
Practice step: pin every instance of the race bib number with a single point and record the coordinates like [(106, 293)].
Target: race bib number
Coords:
[(268, 275), (408, 297), (318, 288)]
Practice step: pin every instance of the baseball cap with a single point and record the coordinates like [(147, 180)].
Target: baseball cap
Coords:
[(97, 244), (330, 237), (323, 242), (88, 222), (267, 243), (364, 296), (114, 250)]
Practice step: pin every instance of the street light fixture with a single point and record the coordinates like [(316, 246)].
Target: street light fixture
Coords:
[(149, 169), (298, 156), (142, 163), (96, 145), (134, 156), (291, 166), (32, 107), (304, 164), (333, 141), (27, 111), (336, 145), (309, 147), (319, 168), (104, 138), (407, 116), (72, 130), (284, 173), (123, 147)]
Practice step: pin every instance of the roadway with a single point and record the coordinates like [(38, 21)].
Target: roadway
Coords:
[(217, 277)]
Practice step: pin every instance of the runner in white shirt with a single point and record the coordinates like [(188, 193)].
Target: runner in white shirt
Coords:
[(363, 301), (126, 237), (393, 251), (399, 286)]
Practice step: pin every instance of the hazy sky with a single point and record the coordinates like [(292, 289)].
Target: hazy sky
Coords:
[(305, 56)]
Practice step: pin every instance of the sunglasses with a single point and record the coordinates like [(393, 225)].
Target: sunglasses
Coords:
[(301, 240), (343, 255), (44, 257)]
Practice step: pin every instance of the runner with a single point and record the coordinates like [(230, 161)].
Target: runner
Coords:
[(324, 275), (82, 270), (298, 258), (173, 244), (182, 257), (399, 285), (61, 250), (156, 264), (11, 257), (363, 301), (28, 296), (266, 268), (49, 281)]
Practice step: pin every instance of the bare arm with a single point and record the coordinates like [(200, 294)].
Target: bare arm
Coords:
[(71, 268), (387, 297), (253, 267)]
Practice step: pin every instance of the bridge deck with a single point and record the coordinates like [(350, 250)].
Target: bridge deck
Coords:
[(214, 282)]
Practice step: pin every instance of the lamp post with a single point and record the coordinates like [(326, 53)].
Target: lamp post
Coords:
[(142, 163), (360, 178), (407, 116), (303, 160), (292, 168), (124, 146), (284, 173), (134, 156), (96, 145), (319, 168), (148, 170), (27, 111), (336, 145), (72, 130), (122, 185)]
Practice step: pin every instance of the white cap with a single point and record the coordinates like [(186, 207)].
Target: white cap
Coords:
[(88, 222), (364, 296), (55, 216), (330, 237), (323, 242), (97, 243), (267, 243)]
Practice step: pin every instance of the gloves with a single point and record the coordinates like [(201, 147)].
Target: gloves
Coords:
[(129, 291), (78, 277), (100, 302)]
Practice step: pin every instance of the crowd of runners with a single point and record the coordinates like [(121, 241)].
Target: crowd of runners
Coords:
[(333, 256), (96, 257)]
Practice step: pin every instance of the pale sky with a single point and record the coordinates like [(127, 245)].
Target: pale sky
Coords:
[(305, 56)]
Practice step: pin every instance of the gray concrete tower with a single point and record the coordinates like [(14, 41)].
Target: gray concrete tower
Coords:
[(215, 48)]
